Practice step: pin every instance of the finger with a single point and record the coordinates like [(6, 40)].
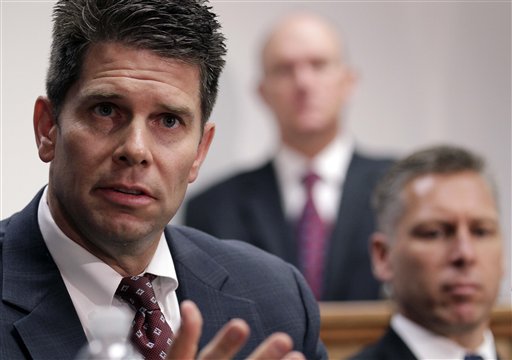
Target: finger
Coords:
[(276, 346), (227, 342), (294, 355), (186, 341)]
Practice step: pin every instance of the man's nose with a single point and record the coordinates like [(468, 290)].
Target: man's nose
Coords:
[(463, 250), (134, 145), (304, 75)]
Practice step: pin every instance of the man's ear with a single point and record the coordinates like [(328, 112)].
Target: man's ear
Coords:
[(262, 91), (45, 129), (380, 252), (202, 150), (349, 80)]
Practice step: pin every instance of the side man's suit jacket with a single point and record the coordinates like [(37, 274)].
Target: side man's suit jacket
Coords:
[(225, 279), (248, 207), (389, 347)]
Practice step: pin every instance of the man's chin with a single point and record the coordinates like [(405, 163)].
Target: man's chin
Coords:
[(125, 232), (464, 317)]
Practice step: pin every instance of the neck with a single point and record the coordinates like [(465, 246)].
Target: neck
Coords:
[(468, 335), (470, 339), (126, 259), (309, 145)]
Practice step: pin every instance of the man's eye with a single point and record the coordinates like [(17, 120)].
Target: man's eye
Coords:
[(170, 121), (319, 64), (104, 110), (281, 70), (428, 233), (482, 231), (434, 232)]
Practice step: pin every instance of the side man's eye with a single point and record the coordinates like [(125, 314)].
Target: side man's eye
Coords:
[(433, 231), (428, 233), (483, 231), (170, 121)]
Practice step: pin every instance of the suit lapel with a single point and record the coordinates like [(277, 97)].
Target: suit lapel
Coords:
[(264, 215), (388, 347), (351, 211), (394, 347), (202, 279), (49, 326)]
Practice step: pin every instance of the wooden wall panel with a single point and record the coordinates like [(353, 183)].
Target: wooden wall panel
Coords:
[(348, 326)]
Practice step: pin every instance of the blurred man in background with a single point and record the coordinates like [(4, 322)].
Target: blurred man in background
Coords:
[(310, 204), (439, 248)]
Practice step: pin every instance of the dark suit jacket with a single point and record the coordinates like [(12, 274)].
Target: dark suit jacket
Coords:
[(248, 207), (225, 279), (389, 347)]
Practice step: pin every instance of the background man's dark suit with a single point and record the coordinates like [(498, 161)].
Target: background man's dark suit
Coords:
[(224, 279), (389, 347), (248, 207)]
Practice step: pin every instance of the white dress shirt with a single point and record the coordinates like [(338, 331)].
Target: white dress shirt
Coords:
[(425, 344), (92, 284), (330, 165)]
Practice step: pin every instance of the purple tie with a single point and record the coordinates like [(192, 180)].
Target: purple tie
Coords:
[(151, 335), (473, 357), (311, 236)]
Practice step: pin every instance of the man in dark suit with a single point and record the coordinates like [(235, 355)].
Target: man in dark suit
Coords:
[(130, 86), (439, 249), (305, 84)]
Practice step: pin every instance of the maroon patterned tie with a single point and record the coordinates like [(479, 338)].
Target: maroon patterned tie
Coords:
[(311, 236), (151, 335)]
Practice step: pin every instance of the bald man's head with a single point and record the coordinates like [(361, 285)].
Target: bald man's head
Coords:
[(301, 31), (305, 82)]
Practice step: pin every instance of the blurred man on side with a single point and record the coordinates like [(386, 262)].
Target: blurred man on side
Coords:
[(439, 248)]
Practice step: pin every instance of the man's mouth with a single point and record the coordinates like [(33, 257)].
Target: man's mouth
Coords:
[(462, 289), (129, 191), (126, 195)]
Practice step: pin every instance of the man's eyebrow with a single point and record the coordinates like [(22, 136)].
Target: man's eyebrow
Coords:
[(101, 95), (183, 111)]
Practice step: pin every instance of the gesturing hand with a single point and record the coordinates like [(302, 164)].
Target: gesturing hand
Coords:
[(227, 342)]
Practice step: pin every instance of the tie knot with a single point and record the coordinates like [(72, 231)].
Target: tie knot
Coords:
[(138, 292), (310, 179), (473, 357)]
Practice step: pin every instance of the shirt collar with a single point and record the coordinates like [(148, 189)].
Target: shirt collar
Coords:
[(291, 165), (87, 275), (427, 345)]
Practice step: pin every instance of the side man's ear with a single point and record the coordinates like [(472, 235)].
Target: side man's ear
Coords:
[(45, 129), (380, 253)]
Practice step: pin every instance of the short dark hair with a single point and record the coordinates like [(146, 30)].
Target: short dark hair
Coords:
[(441, 159), (186, 30)]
